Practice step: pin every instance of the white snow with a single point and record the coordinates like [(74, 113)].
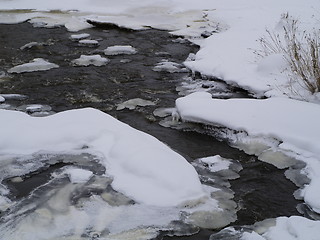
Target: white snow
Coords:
[(37, 64), (291, 121), (142, 167), (120, 49), (86, 60), (288, 228)]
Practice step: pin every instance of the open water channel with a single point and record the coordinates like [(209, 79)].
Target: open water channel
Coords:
[(261, 192)]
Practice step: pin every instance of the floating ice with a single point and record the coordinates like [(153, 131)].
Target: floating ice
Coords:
[(86, 60), (33, 108), (171, 67), (77, 175), (31, 45), (37, 64), (216, 163), (2, 99), (133, 103), (14, 96), (118, 50), (89, 42), (79, 36)]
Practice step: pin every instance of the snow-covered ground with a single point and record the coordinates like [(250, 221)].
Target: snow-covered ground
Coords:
[(233, 28)]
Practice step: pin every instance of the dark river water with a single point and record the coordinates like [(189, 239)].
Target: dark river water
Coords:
[(262, 190)]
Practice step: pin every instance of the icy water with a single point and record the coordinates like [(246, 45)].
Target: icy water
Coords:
[(261, 192)]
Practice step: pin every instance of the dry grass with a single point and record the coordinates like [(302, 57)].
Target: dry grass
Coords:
[(300, 49)]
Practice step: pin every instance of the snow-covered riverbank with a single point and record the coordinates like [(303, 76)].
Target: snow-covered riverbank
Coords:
[(232, 29)]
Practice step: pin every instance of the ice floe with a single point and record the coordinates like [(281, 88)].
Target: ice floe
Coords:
[(89, 42), (79, 36), (171, 67), (37, 64), (86, 60), (119, 50), (133, 103), (77, 175)]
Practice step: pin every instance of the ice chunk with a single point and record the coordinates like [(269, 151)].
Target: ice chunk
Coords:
[(37, 64), (120, 49), (133, 103), (89, 42), (216, 163), (79, 36), (2, 99), (86, 60), (33, 108), (171, 67), (30, 45), (77, 175)]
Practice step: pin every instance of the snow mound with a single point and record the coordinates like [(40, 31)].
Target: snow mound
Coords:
[(37, 64), (149, 173), (86, 60), (119, 50), (281, 119)]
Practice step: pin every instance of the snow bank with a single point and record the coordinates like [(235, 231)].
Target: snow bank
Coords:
[(37, 64), (229, 55), (142, 167), (292, 122)]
